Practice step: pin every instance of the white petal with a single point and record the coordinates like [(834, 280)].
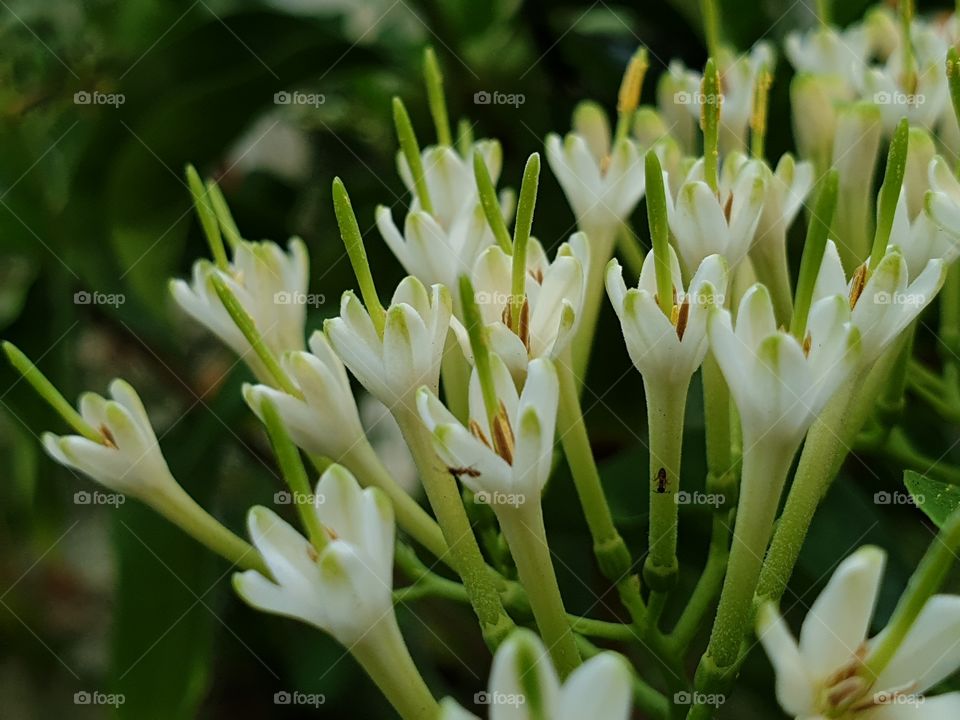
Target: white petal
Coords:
[(599, 690), (795, 691)]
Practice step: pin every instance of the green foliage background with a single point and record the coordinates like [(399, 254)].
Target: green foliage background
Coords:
[(92, 198)]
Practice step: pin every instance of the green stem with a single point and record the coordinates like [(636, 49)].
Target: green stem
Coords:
[(384, 656), (411, 151), (178, 507), (765, 467), (716, 408), (630, 249), (455, 374), (521, 235), (208, 218), (665, 411), (601, 243), (527, 537), (710, 117), (224, 217), (949, 333), (438, 104), (611, 551), (711, 25), (813, 251), (491, 204), (891, 401), (464, 552), (927, 579), (824, 12), (890, 190)]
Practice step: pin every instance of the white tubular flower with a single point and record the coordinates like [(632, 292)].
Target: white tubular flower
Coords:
[(524, 686), (552, 306), (738, 80), (602, 184), (667, 350), (922, 104), (386, 437), (450, 181), (408, 355), (676, 89), (704, 223), (511, 459), (883, 300), (269, 284), (825, 50), (942, 205), (325, 421), (129, 459), (815, 99), (819, 677), (779, 384), (344, 589)]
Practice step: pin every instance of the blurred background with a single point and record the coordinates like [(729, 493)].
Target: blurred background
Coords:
[(95, 218)]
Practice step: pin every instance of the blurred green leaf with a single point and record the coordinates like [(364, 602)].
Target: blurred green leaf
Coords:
[(937, 499)]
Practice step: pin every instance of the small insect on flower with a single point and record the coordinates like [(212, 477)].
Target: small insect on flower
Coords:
[(468, 471), (662, 482)]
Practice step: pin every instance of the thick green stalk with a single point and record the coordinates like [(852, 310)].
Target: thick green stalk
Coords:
[(384, 656), (601, 242), (665, 410), (464, 552), (527, 537)]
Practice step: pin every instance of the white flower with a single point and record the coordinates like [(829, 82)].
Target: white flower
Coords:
[(825, 50), (514, 457), (818, 678), (787, 188), (408, 355), (922, 104), (325, 421), (704, 223), (386, 437), (780, 384), (269, 284), (524, 686), (602, 185), (942, 205), (886, 302), (665, 349), (738, 82), (346, 588), (129, 459), (450, 181), (554, 296)]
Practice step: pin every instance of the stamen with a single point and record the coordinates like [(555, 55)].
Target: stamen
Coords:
[(856, 288), (503, 440), (108, 437), (523, 332), (683, 315), (478, 433), (807, 342)]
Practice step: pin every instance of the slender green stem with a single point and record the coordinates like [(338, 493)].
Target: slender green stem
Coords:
[(665, 410), (527, 537), (716, 406), (291, 466), (384, 656), (758, 120), (464, 138), (949, 345), (891, 401), (630, 249), (601, 245), (353, 242), (711, 25), (438, 104), (953, 75), (894, 445), (890, 190), (813, 250), (464, 552), (824, 12), (926, 580), (490, 204), (906, 44), (46, 390), (411, 151), (178, 507), (208, 218), (481, 350), (765, 467), (521, 235), (246, 324), (608, 546)]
